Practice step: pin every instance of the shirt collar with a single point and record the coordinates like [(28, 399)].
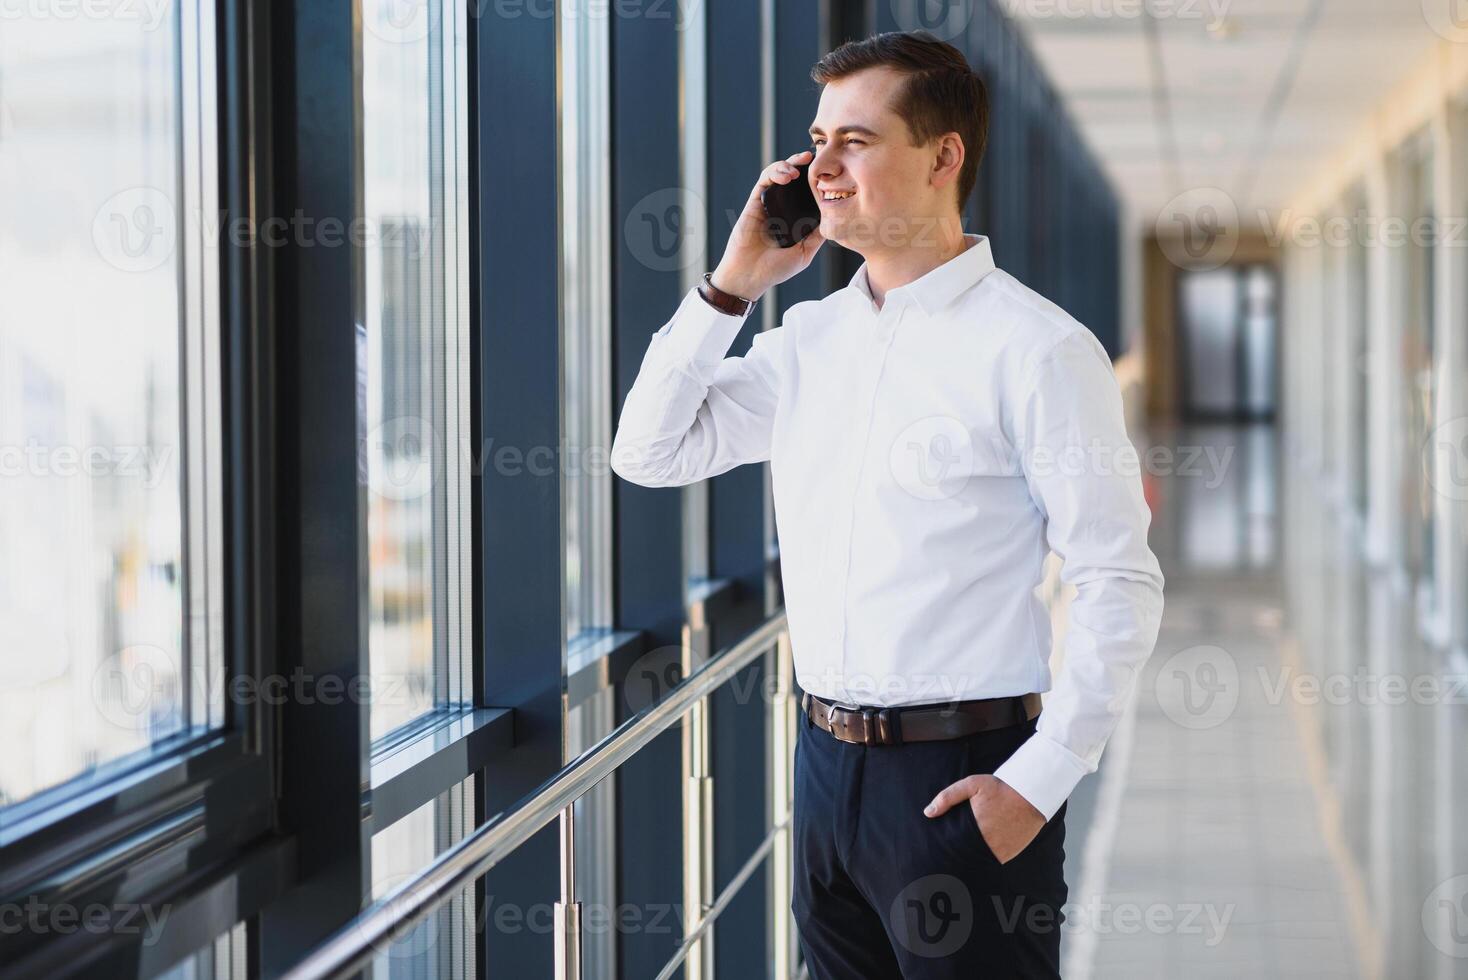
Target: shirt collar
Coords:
[(938, 287)]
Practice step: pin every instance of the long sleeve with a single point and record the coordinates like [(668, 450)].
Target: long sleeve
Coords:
[(693, 413), (1084, 475)]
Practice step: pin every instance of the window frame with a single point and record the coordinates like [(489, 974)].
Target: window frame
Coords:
[(445, 357), (127, 827)]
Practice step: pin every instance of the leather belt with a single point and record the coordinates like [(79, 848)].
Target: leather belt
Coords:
[(918, 723)]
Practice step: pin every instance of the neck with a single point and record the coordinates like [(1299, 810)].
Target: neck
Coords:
[(890, 269)]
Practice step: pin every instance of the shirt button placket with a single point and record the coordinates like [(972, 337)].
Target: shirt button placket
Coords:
[(881, 341)]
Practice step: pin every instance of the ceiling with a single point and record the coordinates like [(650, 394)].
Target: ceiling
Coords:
[(1173, 97)]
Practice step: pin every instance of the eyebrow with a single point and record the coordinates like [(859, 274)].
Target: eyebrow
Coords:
[(817, 131)]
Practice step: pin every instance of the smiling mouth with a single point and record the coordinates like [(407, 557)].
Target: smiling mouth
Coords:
[(835, 200)]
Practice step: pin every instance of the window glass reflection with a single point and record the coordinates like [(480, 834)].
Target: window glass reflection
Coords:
[(108, 417), (441, 947), (416, 356)]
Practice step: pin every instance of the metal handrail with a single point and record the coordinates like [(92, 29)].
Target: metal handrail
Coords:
[(725, 897), (373, 931)]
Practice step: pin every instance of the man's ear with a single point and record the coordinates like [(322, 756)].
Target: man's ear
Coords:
[(949, 162)]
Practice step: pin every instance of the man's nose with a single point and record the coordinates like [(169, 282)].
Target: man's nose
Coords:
[(824, 165)]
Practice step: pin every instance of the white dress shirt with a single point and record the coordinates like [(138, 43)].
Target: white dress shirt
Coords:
[(925, 458)]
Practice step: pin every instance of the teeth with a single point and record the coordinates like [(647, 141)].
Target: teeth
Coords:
[(838, 196)]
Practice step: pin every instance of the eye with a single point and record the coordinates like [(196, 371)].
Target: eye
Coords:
[(862, 142), (818, 142)]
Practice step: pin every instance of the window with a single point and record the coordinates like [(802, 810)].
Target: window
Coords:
[(587, 304), (694, 259), (415, 190), (226, 958), (1419, 359), (442, 945), (595, 836), (110, 591), (1358, 423)]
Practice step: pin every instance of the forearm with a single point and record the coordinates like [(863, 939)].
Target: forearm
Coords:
[(1112, 631), (692, 412)]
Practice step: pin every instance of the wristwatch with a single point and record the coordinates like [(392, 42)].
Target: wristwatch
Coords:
[(722, 301)]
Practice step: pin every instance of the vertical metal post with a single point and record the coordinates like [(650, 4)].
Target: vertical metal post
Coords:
[(568, 910), (698, 806), (782, 795)]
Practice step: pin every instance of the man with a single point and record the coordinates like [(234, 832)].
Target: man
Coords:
[(933, 430)]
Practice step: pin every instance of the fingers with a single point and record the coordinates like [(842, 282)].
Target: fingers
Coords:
[(950, 795), (779, 172), (782, 171)]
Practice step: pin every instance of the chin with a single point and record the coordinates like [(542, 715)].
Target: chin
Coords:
[(832, 230)]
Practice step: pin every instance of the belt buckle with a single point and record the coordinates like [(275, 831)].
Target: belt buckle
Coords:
[(831, 722), (871, 731)]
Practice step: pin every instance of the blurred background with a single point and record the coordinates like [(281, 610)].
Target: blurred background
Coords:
[(315, 322)]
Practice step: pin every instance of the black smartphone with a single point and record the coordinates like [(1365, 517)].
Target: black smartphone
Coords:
[(791, 210)]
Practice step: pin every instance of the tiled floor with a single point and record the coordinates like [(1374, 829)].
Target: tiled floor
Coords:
[(1273, 807)]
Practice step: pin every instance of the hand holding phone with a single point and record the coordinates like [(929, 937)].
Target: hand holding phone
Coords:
[(755, 259), (791, 209)]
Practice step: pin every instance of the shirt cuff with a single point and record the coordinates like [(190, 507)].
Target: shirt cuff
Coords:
[(698, 332), (1043, 771)]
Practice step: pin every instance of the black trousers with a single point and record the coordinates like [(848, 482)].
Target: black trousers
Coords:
[(882, 891)]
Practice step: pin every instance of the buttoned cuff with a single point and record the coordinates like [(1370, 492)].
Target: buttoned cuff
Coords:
[(698, 332), (1043, 771)]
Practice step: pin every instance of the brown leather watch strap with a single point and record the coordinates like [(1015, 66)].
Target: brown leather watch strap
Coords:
[(722, 301)]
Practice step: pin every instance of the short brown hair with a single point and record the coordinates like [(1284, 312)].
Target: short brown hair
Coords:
[(943, 94)]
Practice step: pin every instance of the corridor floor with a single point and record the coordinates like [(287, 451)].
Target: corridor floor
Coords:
[(1286, 797)]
